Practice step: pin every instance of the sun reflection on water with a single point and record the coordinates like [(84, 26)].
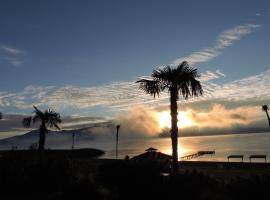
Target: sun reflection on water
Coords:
[(182, 150), (223, 145)]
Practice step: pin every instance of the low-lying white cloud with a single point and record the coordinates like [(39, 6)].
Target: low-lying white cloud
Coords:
[(221, 117)]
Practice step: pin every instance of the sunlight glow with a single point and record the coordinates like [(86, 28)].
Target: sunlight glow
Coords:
[(183, 120), (183, 150)]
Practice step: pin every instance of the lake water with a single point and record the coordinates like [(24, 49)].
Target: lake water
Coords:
[(223, 145)]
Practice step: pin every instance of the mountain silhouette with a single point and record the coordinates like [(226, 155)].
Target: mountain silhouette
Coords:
[(56, 139)]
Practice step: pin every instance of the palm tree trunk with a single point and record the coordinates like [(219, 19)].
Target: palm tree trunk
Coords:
[(268, 117), (174, 130), (42, 135)]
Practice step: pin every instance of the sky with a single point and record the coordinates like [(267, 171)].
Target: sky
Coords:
[(82, 58)]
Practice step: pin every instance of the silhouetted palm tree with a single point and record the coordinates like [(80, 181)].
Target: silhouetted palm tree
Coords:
[(179, 81), (46, 118), (265, 108)]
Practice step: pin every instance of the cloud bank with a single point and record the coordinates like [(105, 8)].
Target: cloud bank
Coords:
[(221, 117), (143, 121)]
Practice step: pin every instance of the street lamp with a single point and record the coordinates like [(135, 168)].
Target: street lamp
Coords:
[(73, 138), (116, 149)]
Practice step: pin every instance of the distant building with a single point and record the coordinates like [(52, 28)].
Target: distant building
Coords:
[(151, 149), (152, 154)]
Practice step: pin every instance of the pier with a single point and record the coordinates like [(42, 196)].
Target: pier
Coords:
[(198, 154)]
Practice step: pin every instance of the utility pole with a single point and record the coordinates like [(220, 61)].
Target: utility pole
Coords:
[(116, 149), (73, 138)]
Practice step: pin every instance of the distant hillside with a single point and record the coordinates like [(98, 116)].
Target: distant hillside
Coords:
[(54, 139)]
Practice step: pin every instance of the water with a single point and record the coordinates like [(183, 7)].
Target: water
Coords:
[(223, 145)]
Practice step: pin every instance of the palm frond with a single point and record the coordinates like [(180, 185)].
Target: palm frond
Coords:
[(52, 118), (36, 109), (164, 75), (196, 88), (37, 118), (186, 80), (27, 122), (183, 77), (185, 72), (39, 115), (184, 90), (265, 107), (152, 87), (182, 67)]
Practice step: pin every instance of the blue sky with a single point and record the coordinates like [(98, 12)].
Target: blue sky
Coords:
[(81, 57)]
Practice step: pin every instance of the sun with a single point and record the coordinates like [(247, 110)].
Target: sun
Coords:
[(165, 120)]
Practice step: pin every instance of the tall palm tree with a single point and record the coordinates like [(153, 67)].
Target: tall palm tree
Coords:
[(179, 81), (265, 108), (48, 118)]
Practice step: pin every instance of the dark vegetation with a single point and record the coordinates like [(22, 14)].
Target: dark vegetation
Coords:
[(52, 154), (65, 177)]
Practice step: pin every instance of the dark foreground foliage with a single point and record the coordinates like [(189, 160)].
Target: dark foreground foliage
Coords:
[(65, 178)]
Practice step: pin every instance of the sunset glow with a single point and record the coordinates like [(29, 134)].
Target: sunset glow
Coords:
[(183, 120)]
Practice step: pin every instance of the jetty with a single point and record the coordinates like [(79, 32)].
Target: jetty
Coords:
[(198, 154)]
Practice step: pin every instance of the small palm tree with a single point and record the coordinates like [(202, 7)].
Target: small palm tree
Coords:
[(46, 118), (179, 81), (265, 108)]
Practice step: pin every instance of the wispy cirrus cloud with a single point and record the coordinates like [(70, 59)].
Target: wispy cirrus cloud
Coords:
[(122, 95), (224, 40), (211, 75), (14, 56), (116, 95), (12, 50), (252, 87)]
